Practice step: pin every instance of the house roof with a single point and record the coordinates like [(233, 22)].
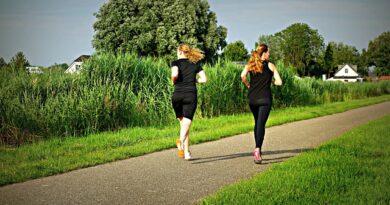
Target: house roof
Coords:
[(384, 77), (82, 58), (354, 67)]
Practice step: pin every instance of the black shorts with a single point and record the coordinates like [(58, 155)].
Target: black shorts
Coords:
[(184, 104)]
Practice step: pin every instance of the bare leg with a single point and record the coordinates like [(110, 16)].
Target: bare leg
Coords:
[(184, 133), (181, 141)]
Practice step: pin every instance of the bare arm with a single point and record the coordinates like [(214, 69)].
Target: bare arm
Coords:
[(175, 74), (243, 77), (278, 80), (202, 77)]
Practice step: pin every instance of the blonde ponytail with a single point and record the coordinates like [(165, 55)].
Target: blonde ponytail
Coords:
[(193, 54)]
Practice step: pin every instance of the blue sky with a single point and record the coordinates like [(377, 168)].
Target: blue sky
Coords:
[(53, 31)]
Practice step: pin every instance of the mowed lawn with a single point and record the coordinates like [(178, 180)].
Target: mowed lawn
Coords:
[(58, 155), (352, 169)]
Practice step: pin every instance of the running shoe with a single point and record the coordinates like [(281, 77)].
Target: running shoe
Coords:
[(256, 155), (180, 151), (187, 156)]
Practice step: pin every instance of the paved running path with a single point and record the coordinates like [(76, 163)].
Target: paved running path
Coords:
[(162, 178)]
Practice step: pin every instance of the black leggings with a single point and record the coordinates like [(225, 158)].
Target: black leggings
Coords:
[(260, 109)]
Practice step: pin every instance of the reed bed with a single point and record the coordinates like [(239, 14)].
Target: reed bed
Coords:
[(116, 91)]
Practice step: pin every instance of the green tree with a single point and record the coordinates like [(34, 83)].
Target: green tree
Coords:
[(222, 34), (155, 28), (62, 66), (301, 46), (379, 53), (19, 61), (274, 43), (344, 54), (235, 51), (328, 59), (2, 62), (363, 63)]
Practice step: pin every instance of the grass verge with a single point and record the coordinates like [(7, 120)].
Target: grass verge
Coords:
[(352, 169), (60, 155)]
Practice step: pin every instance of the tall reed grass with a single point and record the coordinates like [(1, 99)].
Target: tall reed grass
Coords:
[(310, 91), (114, 91)]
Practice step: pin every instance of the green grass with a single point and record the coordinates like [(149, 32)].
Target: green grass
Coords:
[(352, 169), (59, 155)]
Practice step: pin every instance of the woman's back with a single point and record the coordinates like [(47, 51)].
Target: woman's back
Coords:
[(186, 81), (260, 83)]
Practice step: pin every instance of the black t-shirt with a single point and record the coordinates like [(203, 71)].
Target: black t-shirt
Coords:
[(186, 81), (260, 84)]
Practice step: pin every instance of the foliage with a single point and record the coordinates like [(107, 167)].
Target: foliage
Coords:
[(235, 51), (300, 45), (343, 54), (2, 63), (328, 59), (62, 66), (297, 45), (379, 53), (155, 28), (116, 91), (274, 43), (363, 63), (19, 61)]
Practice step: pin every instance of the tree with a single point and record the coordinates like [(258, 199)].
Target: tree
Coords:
[(379, 53), (155, 28), (274, 44), (19, 61), (301, 45), (222, 33), (328, 59), (235, 51), (2, 62), (363, 63), (344, 54), (62, 66)]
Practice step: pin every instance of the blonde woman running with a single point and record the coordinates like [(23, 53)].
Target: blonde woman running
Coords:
[(184, 100)]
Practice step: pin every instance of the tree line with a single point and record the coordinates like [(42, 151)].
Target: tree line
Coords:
[(304, 48), (19, 62), (155, 28)]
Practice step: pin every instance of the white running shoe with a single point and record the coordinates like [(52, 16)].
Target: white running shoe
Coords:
[(187, 155)]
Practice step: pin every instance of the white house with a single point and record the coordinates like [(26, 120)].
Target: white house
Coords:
[(34, 69), (347, 73), (76, 64)]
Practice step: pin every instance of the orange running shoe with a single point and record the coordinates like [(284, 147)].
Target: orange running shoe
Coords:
[(180, 151)]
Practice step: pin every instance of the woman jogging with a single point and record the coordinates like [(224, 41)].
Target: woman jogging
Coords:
[(184, 99), (260, 97)]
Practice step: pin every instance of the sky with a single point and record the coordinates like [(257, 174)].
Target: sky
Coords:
[(53, 31)]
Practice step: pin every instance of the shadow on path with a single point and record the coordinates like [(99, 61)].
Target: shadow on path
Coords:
[(247, 154)]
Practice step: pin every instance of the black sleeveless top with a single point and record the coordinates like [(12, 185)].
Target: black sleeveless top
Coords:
[(260, 84), (186, 81)]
